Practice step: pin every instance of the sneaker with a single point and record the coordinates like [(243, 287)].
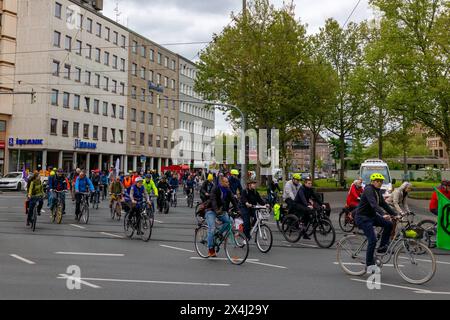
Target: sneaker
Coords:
[(28, 223), (372, 269), (211, 253), (382, 250)]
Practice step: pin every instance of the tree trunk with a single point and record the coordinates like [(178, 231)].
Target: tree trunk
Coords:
[(312, 161), (342, 159), (258, 172)]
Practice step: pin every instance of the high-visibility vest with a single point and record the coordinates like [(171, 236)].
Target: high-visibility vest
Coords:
[(127, 182)]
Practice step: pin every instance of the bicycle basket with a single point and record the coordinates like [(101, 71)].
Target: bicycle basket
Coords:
[(263, 214), (413, 232)]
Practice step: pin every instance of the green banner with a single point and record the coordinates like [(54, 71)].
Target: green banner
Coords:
[(443, 231)]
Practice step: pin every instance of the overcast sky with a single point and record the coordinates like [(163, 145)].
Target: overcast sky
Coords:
[(179, 21)]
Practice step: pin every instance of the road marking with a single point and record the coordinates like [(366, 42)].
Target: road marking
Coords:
[(416, 290), (200, 258), (91, 254), (77, 226), (63, 276), (158, 221), (425, 260), (267, 264), (79, 280), (359, 264), (22, 259), (181, 249), (304, 244), (112, 235)]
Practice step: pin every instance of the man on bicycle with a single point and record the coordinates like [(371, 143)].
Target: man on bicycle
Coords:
[(163, 187), (104, 182), (291, 189), (35, 196), (59, 183), (83, 185), (190, 184), (370, 213), (249, 198), (221, 197), (444, 188), (151, 188), (174, 183), (116, 189), (272, 190), (138, 195), (235, 183), (206, 188), (96, 183)]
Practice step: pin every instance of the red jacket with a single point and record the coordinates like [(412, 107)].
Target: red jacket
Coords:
[(434, 198), (353, 196)]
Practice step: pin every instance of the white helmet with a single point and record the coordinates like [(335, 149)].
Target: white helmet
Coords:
[(139, 179)]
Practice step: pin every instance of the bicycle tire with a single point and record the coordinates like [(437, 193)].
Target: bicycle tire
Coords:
[(85, 215), (145, 226), (429, 235), (351, 250), (59, 214), (166, 207), (128, 226), (201, 241), (344, 224), (151, 216), (113, 210), (33, 222), (290, 228), (400, 261), (263, 233), (53, 215), (236, 240), (323, 228), (118, 211)]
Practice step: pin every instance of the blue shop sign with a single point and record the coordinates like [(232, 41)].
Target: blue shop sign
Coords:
[(154, 86), (25, 142), (79, 144)]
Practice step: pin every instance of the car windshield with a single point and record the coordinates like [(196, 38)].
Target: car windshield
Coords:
[(12, 175), (366, 172)]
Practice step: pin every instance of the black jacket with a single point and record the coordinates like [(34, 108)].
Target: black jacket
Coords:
[(372, 203), (305, 194), (216, 203), (206, 188), (252, 197)]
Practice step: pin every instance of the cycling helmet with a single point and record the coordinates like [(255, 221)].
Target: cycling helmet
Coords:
[(235, 172), (52, 173), (60, 171), (210, 177), (148, 176), (139, 179), (377, 176), (297, 176)]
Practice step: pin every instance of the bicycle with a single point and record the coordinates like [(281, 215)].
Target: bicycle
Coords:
[(143, 225), (84, 208), (116, 206), (406, 245), (318, 225), (234, 242), (57, 209), (190, 199), (430, 227), (164, 202), (96, 198), (346, 222), (35, 212), (263, 234), (173, 198)]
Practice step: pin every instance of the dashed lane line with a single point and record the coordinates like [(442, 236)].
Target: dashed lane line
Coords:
[(175, 248), (77, 279), (77, 226), (91, 254), (22, 259), (112, 235)]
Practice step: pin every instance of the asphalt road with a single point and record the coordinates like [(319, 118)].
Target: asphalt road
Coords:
[(35, 265)]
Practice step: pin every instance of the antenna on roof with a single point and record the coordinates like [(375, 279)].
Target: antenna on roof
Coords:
[(116, 10)]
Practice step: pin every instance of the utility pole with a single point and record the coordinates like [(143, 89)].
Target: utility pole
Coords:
[(244, 6)]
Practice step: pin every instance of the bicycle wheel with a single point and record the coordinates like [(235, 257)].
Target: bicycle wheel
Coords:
[(113, 210), (97, 200), (118, 211), (344, 223), (166, 207), (175, 201), (264, 239), (53, 214), (351, 254), (85, 214), (236, 247), (128, 226), (414, 262), (151, 215), (33, 222), (59, 212), (146, 228), (201, 241), (324, 233), (291, 228), (430, 232)]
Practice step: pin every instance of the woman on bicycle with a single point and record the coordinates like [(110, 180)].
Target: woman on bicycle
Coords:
[(35, 196), (444, 188), (249, 198), (353, 197), (116, 189), (370, 213), (59, 183)]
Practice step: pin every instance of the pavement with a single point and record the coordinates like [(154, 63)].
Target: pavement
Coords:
[(97, 261)]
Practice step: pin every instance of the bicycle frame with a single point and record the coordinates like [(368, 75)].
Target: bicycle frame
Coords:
[(258, 222)]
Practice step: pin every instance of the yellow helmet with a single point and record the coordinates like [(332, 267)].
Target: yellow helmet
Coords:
[(210, 177), (52, 173), (235, 172), (297, 176), (377, 176)]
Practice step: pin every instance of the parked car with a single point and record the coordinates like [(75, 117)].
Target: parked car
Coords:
[(13, 181)]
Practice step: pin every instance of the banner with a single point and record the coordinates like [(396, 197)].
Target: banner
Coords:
[(117, 167), (443, 230)]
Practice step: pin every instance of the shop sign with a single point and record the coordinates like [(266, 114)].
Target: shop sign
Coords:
[(24, 142), (79, 144)]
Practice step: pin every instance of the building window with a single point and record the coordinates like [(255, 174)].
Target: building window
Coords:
[(115, 37), (79, 21), (150, 140), (97, 54), (68, 43), (174, 105), (133, 114), (172, 143), (55, 97), (57, 39), (158, 120), (69, 16), (114, 62), (66, 98), (88, 51), (88, 78), (104, 134), (122, 64), (95, 133), (166, 143), (114, 86), (143, 70), (106, 83), (106, 58), (121, 112), (158, 141), (98, 30), (143, 51), (89, 25), (78, 74), (166, 100), (172, 84), (76, 102), (53, 126), (159, 58), (133, 137), (65, 128), (122, 88), (55, 68), (96, 106), (97, 80), (142, 138), (166, 62), (58, 9), (134, 69), (124, 41), (120, 136), (166, 82), (133, 92), (142, 117), (142, 94), (150, 97), (172, 123), (78, 45), (113, 110), (158, 78), (105, 108), (166, 122), (134, 47), (108, 33), (87, 104), (150, 118), (76, 128), (86, 131), (67, 71), (113, 135)]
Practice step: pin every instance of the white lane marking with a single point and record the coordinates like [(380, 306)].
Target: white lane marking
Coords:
[(181, 249), (359, 264), (158, 221), (22, 259), (432, 292), (416, 290), (42, 211), (151, 281), (266, 264), (79, 280), (425, 260), (112, 235), (91, 254), (77, 226), (304, 244), (200, 258)]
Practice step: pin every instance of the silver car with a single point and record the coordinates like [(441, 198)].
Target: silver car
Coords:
[(13, 181)]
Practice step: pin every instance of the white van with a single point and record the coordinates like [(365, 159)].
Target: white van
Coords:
[(371, 166)]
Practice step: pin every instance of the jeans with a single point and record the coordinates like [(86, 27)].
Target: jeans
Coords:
[(366, 225), (33, 202), (246, 213), (54, 201), (211, 221)]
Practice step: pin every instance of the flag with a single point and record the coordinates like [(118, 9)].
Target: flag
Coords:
[(117, 167), (24, 173), (443, 229)]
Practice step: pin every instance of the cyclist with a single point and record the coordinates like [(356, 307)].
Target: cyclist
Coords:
[(235, 183), (291, 189), (398, 198), (137, 195), (444, 188), (134, 177), (306, 201), (49, 182), (354, 196), (221, 197), (272, 190), (35, 195), (127, 182), (83, 185), (369, 214), (206, 188), (163, 187), (174, 183), (249, 198), (59, 183), (190, 184), (96, 183), (104, 182), (116, 188), (27, 201), (151, 188)]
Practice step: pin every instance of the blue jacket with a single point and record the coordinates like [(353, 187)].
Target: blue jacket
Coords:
[(104, 179), (82, 185), (173, 182), (190, 183), (235, 185)]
